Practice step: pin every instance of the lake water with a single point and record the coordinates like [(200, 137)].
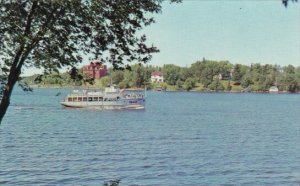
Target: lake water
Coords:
[(179, 139)]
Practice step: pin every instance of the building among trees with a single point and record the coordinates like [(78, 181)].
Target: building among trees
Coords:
[(95, 70), (157, 76), (273, 89), (225, 75)]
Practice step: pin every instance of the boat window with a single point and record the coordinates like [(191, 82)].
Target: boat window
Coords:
[(100, 98), (75, 99), (105, 99), (90, 99), (84, 99), (95, 99), (70, 99), (80, 99)]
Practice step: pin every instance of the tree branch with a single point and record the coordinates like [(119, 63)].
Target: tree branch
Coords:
[(29, 18), (49, 21)]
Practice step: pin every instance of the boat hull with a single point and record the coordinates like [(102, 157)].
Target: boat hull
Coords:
[(124, 104)]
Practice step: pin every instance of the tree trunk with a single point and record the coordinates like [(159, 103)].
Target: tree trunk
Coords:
[(12, 79), (17, 63)]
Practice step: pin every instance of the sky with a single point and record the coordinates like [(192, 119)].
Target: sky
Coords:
[(240, 31)]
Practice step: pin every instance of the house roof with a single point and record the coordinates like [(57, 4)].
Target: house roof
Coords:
[(156, 73), (95, 63)]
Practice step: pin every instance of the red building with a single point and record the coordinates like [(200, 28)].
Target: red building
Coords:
[(95, 69)]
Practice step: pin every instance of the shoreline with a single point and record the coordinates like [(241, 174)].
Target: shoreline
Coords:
[(231, 92), (195, 90)]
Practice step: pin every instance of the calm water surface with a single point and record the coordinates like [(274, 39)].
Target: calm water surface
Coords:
[(179, 139)]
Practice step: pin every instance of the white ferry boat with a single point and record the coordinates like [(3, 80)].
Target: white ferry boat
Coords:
[(109, 99)]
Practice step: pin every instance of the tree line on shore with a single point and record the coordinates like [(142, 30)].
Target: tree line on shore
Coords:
[(204, 75)]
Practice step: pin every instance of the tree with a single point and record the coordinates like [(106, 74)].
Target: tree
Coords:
[(216, 85), (185, 73), (171, 73), (189, 84), (88, 79), (265, 82), (288, 82), (76, 76), (179, 84), (204, 71), (290, 69), (237, 73), (291, 83), (206, 77), (139, 75), (53, 34), (117, 76), (297, 73), (105, 81), (128, 80)]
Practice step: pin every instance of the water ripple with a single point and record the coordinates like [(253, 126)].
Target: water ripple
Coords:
[(199, 139)]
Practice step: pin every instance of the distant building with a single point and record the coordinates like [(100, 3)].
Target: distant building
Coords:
[(225, 76), (273, 89), (95, 69), (157, 77)]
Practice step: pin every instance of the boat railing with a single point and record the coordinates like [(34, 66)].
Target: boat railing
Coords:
[(134, 96)]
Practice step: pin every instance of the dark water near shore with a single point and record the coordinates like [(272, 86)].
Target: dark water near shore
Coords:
[(179, 139)]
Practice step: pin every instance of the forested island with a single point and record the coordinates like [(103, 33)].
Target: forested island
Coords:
[(204, 75)]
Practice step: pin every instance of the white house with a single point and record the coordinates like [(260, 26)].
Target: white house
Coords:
[(157, 77)]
